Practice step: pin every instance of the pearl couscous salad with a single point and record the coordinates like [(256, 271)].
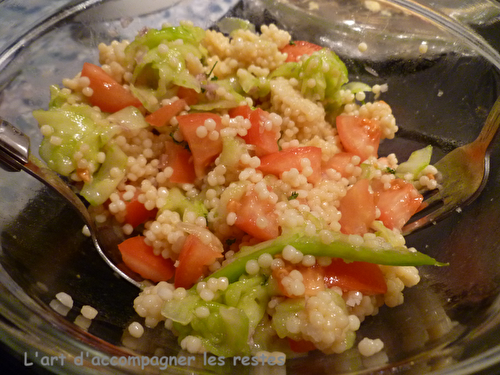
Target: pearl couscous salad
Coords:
[(242, 171)]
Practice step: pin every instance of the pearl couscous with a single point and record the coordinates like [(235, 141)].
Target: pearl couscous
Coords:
[(243, 173)]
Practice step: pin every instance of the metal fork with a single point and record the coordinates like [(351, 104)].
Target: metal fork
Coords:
[(15, 156), (464, 172)]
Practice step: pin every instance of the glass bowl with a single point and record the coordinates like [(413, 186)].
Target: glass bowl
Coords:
[(449, 323)]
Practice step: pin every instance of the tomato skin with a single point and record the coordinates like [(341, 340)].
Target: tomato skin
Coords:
[(136, 212), (398, 203), (301, 346), (163, 115), (188, 94), (312, 278), (282, 161), (140, 258), (243, 110), (204, 150), (299, 48), (359, 136), (193, 258), (107, 94), (265, 141), (339, 162), (248, 210), (181, 161), (355, 276), (357, 208)]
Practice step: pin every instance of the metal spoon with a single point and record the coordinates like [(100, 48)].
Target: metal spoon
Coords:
[(15, 156)]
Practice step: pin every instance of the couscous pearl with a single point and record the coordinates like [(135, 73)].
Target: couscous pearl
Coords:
[(362, 47), (265, 260), (202, 312), (308, 260), (86, 231), (201, 131), (88, 312), (207, 295), (65, 299), (368, 347), (252, 267), (46, 130), (360, 96), (136, 329), (56, 141)]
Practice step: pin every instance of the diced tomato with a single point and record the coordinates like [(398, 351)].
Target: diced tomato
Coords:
[(339, 162), (107, 94), (250, 211), (281, 161), (312, 278), (301, 346), (243, 110), (163, 115), (194, 257), (136, 212), (398, 203), (298, 49), (181, 161), (265, 141), (359, 136), (189, 95), (204, 150), (355, 276), (140, 258), (357, 208)]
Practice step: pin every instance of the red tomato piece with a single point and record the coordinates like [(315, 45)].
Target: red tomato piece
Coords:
[(357, 208), (339, 162), (243, 110), (301, 346), (398, 203), (359, 136), (265, 141), (312, 278), (355, 276), (140, 258), (194, 257), (107, 94), (136, 212), (189, 95), (250, 210), (204, 150), (163, 115), (299, 48), (181, 161), (281, 161)]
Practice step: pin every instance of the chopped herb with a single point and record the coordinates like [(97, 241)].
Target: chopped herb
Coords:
[(230, 241), (294, 195), (292, 43), (182, 143), (214, 78), (211, 70), (390, 170)]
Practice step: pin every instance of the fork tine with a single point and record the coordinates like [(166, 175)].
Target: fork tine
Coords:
[(429, 219), (432, 199)]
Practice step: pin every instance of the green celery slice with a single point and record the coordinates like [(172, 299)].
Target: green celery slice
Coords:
[(312, 245)]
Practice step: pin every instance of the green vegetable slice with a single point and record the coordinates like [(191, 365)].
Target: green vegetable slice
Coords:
[(107, 178), (312, 245), (416, 163), (74, 126)]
